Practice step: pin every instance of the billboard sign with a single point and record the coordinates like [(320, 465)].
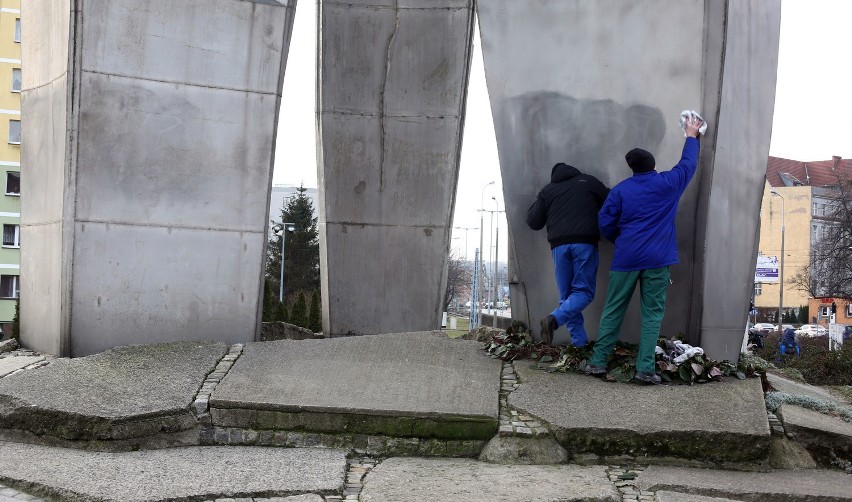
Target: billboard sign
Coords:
[(767, 269)]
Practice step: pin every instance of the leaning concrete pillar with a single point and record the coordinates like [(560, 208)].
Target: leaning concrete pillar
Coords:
[(610, 75), (148, 149), (393, 79)]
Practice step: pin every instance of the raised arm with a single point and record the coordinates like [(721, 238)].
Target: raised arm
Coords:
[(537, 214)]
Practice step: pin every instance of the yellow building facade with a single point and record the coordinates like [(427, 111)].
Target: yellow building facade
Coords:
[(10, 156), (796, 207)]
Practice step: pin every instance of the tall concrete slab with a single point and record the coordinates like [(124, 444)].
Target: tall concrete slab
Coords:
[(609, 76), (149, 144), (392, 83)]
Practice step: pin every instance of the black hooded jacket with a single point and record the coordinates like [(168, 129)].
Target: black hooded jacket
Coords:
[(569, 206)]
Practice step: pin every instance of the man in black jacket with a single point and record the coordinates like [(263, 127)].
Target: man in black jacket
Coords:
[(569, 206)]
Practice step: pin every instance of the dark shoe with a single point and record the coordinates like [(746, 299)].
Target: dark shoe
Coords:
[(548, 326), (647, 378), (595, 371)]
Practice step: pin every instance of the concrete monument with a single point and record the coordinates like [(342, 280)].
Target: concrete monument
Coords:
[(149, 142), (611, 75)]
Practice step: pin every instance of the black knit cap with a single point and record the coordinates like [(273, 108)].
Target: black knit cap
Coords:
[(641, 161)]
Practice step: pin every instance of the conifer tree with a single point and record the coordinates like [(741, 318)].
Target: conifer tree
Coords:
[(301, 247), (315, 320), (298, 314)]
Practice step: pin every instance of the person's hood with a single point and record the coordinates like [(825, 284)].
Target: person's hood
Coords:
[(562, 172)]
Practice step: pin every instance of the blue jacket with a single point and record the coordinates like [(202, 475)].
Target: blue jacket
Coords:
[(639, 214)]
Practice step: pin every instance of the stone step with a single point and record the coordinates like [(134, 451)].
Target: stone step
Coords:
[(811, 485), (189, 473), (715, 423), (125, 394), (404, 386)]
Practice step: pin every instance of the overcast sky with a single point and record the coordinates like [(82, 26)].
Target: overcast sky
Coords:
[(813, 107)]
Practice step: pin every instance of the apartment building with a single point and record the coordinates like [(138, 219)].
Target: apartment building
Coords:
[(10, 156), (803, 200)]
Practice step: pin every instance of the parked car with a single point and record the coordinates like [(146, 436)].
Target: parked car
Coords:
[(765, 327), (811, 330), (783, 327)]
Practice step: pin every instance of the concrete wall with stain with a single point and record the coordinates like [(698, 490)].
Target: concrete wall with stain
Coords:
[(148, 212), (393, 81), (609, 76)]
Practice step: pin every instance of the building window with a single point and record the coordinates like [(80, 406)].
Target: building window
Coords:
[(758, 288), (9, 287), (814, 209), (849, 309), (11, 236), (14, 132), (16, 80), (18, 30), (824, 311), (13, 183)]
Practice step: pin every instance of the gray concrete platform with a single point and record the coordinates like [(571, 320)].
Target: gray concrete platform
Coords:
[(454, 480), (714, 423), (127, 392), (420, 385), (777, 486), (192, 473), (11, 364)]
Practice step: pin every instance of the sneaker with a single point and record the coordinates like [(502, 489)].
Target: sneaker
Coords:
[(647, 378), (595, 371), (548, 326)]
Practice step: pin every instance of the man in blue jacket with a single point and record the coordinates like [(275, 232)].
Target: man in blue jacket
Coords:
[(639, 217), (569, 206)]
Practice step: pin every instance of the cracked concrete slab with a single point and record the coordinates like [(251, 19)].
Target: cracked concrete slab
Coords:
[(192, 473), (11, 364), (127, 392), (405, 385), (451, 480), (715, 422), (809, 485)]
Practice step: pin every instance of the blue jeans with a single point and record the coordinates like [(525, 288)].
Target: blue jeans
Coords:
[(576, 273)]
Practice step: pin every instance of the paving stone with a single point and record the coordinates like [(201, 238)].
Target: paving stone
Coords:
[(786, 485), (578, 412), (290, 379), (454, 480), (174, 473), (11, 364)]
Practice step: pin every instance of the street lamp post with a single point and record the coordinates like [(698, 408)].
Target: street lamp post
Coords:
[(481, 226), (496, 254), (780, 266), (281, 230)]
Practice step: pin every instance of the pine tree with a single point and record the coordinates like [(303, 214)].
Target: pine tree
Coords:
[(301, 247), (314, 320), (270, 302), (298, 315), (280, 313)]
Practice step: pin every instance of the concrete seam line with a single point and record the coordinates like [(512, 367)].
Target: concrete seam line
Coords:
[(387, 7), (201, 401), (355, 113), (179, 82), (179, 227), (366, 224)]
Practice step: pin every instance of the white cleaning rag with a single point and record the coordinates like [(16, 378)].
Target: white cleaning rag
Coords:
[(685, 115)]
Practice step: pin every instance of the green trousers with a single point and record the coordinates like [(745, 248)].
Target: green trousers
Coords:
[(653, 283)]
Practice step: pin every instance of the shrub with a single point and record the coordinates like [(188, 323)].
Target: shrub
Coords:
[(817, 364), (314, 319)]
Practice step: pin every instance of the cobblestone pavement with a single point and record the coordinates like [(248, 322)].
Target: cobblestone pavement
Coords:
[(624, 478)]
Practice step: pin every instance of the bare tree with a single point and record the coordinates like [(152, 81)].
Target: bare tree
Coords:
[(458, 278), (829, 272)]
